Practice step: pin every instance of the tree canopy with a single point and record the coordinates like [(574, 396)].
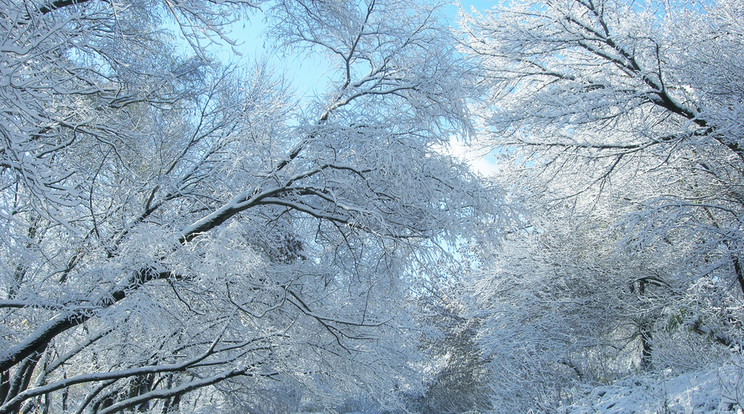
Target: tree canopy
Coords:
[(183, 234)]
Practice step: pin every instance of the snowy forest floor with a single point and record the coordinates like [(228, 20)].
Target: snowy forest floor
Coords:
[(719, 389)]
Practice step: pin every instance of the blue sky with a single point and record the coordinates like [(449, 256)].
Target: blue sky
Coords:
[(306, 73)]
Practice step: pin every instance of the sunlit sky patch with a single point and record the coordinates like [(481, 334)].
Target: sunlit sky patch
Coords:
[(306, 73)]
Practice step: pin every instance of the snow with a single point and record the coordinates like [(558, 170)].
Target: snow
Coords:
[(714, 390)]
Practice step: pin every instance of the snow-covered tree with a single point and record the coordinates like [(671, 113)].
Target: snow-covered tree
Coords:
[(613, 89), (179, 235), (564, 309), (459, 381), (620, 124)]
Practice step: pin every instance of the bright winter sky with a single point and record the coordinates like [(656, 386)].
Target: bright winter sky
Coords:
[(305, 73)]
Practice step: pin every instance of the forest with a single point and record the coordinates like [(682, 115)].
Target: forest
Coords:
[(533, 206)]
